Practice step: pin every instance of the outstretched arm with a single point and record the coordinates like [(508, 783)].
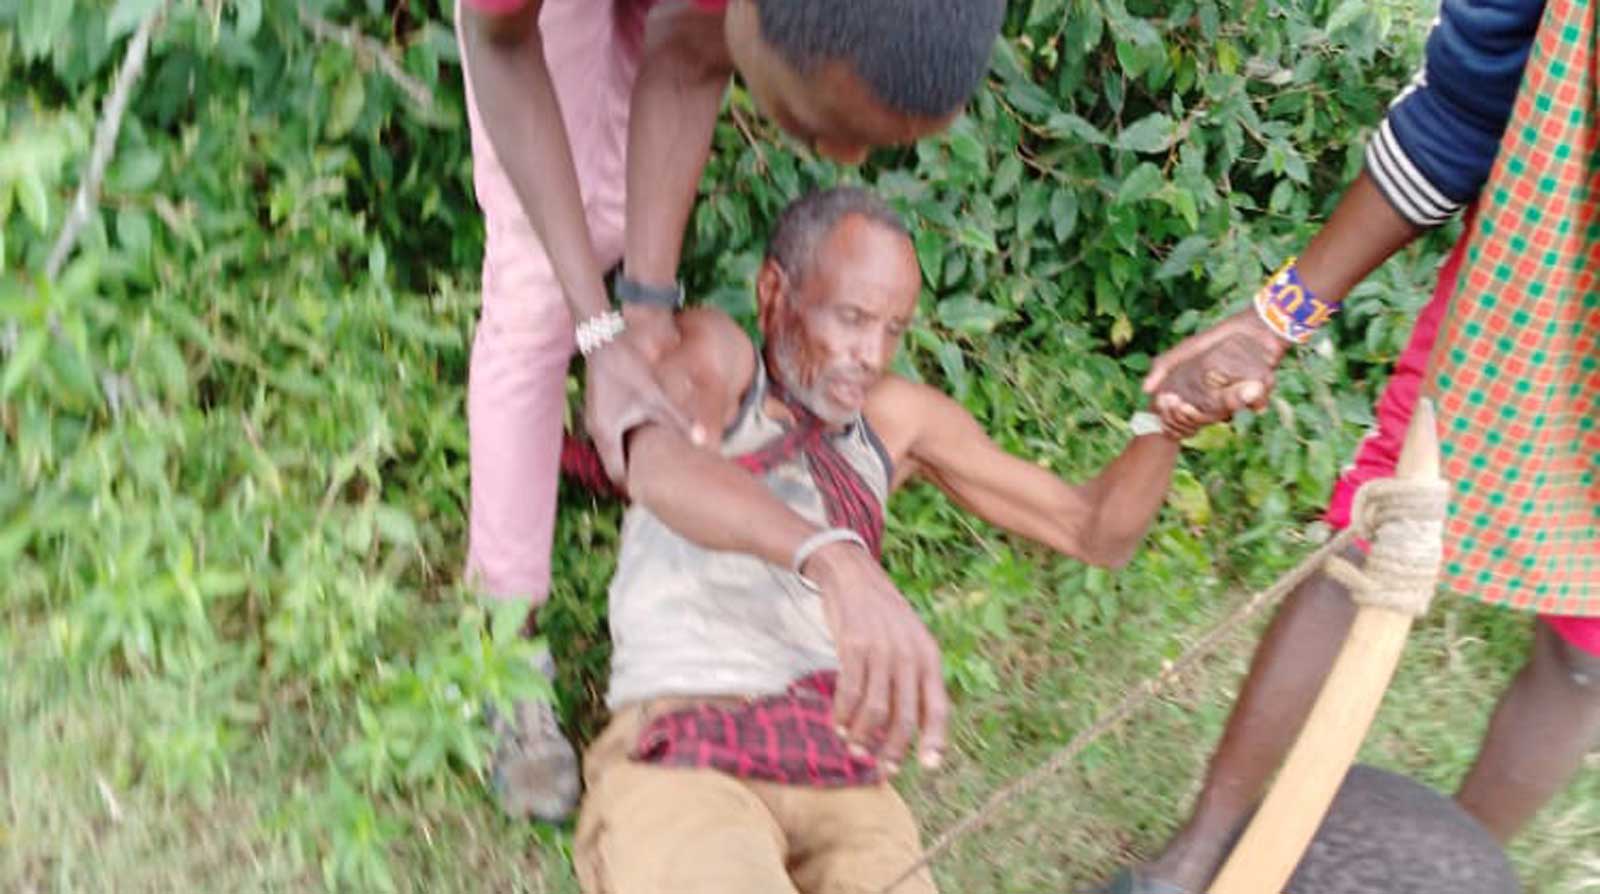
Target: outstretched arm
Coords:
[(1229, 367), (1100, 521), (1429, 157)]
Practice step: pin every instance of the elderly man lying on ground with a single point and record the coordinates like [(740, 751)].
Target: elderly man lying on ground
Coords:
[(723, 768)]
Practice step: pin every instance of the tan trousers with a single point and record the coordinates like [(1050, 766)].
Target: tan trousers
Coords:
[(646, 829)]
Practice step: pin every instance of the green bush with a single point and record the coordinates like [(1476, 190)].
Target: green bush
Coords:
[(232, 434)]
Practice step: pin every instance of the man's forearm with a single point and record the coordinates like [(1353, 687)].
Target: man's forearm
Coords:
[(708, 500), (1127, 495), (519, 111), (1363, 232), (675, 104)]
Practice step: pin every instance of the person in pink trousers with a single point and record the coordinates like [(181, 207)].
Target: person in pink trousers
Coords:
[(591, 124)]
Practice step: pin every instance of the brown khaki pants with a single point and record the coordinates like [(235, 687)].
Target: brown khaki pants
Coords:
[(646, 829)]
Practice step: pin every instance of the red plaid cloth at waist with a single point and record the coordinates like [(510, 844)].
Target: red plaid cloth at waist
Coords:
[(787, 739)]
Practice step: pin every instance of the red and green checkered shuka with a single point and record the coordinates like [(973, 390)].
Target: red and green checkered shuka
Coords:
[(1517, 364)]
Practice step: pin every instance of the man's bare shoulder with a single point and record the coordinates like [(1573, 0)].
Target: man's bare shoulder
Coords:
[(896, 395), (899, 410), (710, 341)]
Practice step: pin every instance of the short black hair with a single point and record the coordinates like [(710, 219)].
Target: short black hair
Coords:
[(809, 219), (1387, 834), (918, 57)]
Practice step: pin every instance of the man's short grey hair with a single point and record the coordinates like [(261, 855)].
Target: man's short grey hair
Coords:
[(808, 220)]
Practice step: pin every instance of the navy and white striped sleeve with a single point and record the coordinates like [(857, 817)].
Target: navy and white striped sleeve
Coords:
[(1433, 151)]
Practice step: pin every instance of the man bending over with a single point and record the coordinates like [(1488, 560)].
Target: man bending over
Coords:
[(722, 768)]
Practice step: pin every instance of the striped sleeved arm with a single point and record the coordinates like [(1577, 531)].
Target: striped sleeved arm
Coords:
[(1432, 153)]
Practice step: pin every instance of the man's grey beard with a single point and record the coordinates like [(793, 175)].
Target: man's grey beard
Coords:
[(787, 371)]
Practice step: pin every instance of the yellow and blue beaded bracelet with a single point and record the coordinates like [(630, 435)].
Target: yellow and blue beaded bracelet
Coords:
[(1289, 308)]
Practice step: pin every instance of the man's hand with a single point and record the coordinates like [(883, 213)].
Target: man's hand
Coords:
[(623, 392), (891, 677), (1208, 377)]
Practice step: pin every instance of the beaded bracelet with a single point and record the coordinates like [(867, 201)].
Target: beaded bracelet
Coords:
[(598, 331), (1289, 308)]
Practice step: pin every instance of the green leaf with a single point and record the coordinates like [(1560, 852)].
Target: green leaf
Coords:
[(1121, 330), (134, 232), (1152, 133), (1006, 177), (1044, 11), (1189, 497), (1030, 208), (1065, 126), (1294, 164), (377, 262), (1139, 47), (34, 200), (1029, 99), (1347, 13), (348, 100), (248, 20), (395, 526), (970, 315), (973, 237), (41, 24), (165, 360), (1183, 202), (1064, 213), (969, 150), (1282, 196), (29, 350), (1140, 185), (127, 15), (930, 253), (136, 170), (1212, 437), (1182, 257)]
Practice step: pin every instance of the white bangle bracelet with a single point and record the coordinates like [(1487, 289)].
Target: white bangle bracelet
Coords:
[(815, 542)]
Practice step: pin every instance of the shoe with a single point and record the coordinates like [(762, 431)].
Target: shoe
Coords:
[(534, 771)]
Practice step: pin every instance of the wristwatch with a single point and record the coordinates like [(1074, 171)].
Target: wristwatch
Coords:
[(629, 291)]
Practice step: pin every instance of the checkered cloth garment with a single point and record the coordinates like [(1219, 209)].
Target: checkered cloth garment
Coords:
[(788, 739), (1517, 367)]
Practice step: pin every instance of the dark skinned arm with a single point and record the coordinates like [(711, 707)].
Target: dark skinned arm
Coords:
[(1209, 376), (675, 102), (517, 104), (504, 56), (1100, 521)]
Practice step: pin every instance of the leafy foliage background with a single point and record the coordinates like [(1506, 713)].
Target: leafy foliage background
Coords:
[(232, 433)]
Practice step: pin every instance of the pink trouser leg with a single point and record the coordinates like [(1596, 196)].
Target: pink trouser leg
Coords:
[(516, 389)]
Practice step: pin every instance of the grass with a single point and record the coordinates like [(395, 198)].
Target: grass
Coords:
[(79, 811), (232, 655)]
